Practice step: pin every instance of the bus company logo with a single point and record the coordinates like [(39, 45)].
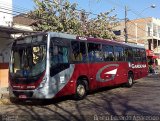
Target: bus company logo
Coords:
[(112, 72), (137, 65), (82, 38)]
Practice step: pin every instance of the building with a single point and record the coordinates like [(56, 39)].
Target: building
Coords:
[(6, 17), (6, 20), (143, 31), (23, 22), (9, 29)]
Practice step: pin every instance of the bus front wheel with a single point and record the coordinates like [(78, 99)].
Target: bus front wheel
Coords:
[(129, 81), (80, 90)]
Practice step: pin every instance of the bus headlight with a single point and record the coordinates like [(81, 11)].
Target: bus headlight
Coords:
[(42, 84)]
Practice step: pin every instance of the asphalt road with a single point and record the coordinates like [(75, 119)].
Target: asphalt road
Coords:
[(141, 102)]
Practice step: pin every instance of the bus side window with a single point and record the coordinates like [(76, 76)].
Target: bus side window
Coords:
[(108, 53), (137, 56), (143, 55), (58, 54), (54, 55), (129, 54), (16, 61), (78, 51), (94, 52), (91, 51), (83, 53), (119, 53), (75, 51)]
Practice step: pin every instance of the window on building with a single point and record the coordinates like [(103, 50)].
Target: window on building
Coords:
[(154, 30), (159, 31), (149, 29)]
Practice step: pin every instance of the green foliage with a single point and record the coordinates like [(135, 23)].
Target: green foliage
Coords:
[(62, 16)]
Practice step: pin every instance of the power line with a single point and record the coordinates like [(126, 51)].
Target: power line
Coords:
[(18, 12), (10, 11), (23, 14), (117, 4), (14, 7), (80, 10), (26, 10)]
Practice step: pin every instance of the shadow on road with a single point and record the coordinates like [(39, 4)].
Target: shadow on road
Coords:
[(106, 101)]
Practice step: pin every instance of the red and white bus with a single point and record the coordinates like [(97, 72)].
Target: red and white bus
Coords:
[(49, 65)]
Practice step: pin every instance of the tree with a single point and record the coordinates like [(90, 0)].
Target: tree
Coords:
[(62, 16), (102, 25)]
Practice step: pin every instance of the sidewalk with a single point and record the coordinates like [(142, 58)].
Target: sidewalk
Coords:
[(4, 93), (4, 96), (156, 74)]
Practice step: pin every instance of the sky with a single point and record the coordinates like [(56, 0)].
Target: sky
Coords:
[(135, 8)]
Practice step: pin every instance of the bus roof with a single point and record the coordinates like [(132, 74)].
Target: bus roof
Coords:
[(69, 36), (91, 39), (62, 35)]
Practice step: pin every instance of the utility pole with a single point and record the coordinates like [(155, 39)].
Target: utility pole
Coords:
[(125, 30)]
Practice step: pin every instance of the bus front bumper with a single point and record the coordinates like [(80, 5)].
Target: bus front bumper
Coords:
[(30, 94)]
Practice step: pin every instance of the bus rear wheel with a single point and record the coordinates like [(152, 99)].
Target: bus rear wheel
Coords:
[(80, 90), (130, 81)]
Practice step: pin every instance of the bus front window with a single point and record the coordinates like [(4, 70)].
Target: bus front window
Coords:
[(28, 61)]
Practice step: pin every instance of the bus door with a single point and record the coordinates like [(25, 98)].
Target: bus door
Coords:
[(59, 63), (79, 58)]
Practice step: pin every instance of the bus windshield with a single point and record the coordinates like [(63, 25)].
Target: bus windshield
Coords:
[(28, 60)]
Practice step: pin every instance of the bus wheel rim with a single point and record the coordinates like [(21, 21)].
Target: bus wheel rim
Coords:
[(81, 90)]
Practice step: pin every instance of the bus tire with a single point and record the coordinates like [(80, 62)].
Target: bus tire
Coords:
[(81, 90), (130, 80)]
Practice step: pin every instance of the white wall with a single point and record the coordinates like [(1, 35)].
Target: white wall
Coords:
[(6, 17), (21, 27)]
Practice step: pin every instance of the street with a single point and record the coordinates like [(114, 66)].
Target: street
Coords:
[(141, 100)]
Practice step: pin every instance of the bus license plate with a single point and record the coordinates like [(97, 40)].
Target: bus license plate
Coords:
[(22, 96)]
